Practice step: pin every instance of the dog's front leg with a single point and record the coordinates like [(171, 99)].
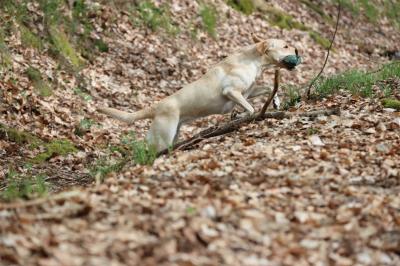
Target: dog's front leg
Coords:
[(236, 96)]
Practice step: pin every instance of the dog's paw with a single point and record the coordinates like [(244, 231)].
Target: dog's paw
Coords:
[(276, 102), (234, 114)]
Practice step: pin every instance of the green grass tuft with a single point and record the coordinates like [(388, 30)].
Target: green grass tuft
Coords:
[(283, 20), (293, 97), (155, 17), (318, 38), (22, 187), (357, 82), (29, 39), (318, 9), (208, 16), (117, 157), (101, 45), (38, 82), (5, 58), (141, 152), (244, 6), (370, 10)]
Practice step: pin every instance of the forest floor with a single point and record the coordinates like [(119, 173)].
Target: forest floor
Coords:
[(295, 191)]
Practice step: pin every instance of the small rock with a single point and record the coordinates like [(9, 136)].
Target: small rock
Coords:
[(383, 147), (370, 130), (316, 140)]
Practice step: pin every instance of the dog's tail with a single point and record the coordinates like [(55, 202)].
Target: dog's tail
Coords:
[(125, 116)]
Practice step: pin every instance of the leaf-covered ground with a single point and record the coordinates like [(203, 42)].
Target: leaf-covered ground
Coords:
[(298, 191)]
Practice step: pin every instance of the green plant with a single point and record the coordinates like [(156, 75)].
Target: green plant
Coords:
[(81, 93), (208, 16), (29, 39), (318, 38), (244, 6), (141, 151), (84, 126), (283, 20), (391, 103), (19, 137), (38, 82), (318, 9), (64, 47), (350, 5), (356, 81), (312, 131), (5, 56), (23, 187), (155, 17), (51, 11), (105, 166), (293, 97), (370, 10), (101, 45)]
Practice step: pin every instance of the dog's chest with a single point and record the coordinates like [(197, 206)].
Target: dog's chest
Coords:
[(248, 76)]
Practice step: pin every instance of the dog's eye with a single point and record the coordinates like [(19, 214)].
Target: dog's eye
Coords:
[(286, 46)]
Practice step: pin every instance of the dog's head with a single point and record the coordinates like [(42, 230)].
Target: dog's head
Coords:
[(277, 52)]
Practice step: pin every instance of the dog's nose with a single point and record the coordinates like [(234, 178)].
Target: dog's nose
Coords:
[(296, 51)]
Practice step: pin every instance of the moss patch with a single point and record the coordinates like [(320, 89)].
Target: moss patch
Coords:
[(316, 8), (19, 137), (321, 40), (64, 47), (55, 148), (38, 82), (283, 20), (5, 58), (29, 39), (244, 6), (391, 103)]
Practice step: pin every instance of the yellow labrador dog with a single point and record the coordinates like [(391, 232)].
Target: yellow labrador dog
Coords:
[(227, 84)]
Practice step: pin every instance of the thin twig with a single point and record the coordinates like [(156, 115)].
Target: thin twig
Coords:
[(308, 91)]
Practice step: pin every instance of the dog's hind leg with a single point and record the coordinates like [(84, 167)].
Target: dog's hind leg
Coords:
[(163, 131)]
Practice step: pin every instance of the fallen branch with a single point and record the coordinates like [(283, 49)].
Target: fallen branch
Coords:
[(236, 124), (39, 201), (272, 95)]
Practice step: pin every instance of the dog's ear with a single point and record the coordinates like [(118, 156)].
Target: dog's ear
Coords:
[(262, 47), (256, 39)]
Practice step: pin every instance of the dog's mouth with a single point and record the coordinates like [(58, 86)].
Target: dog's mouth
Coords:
[(291, 61)]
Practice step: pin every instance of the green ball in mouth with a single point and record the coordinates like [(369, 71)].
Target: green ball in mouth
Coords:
[(291, 61)]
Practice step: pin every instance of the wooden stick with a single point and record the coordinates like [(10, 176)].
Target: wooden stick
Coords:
[(272, 95), (236, 124)]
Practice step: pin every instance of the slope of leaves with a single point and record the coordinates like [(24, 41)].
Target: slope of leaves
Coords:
[(295, 191)]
